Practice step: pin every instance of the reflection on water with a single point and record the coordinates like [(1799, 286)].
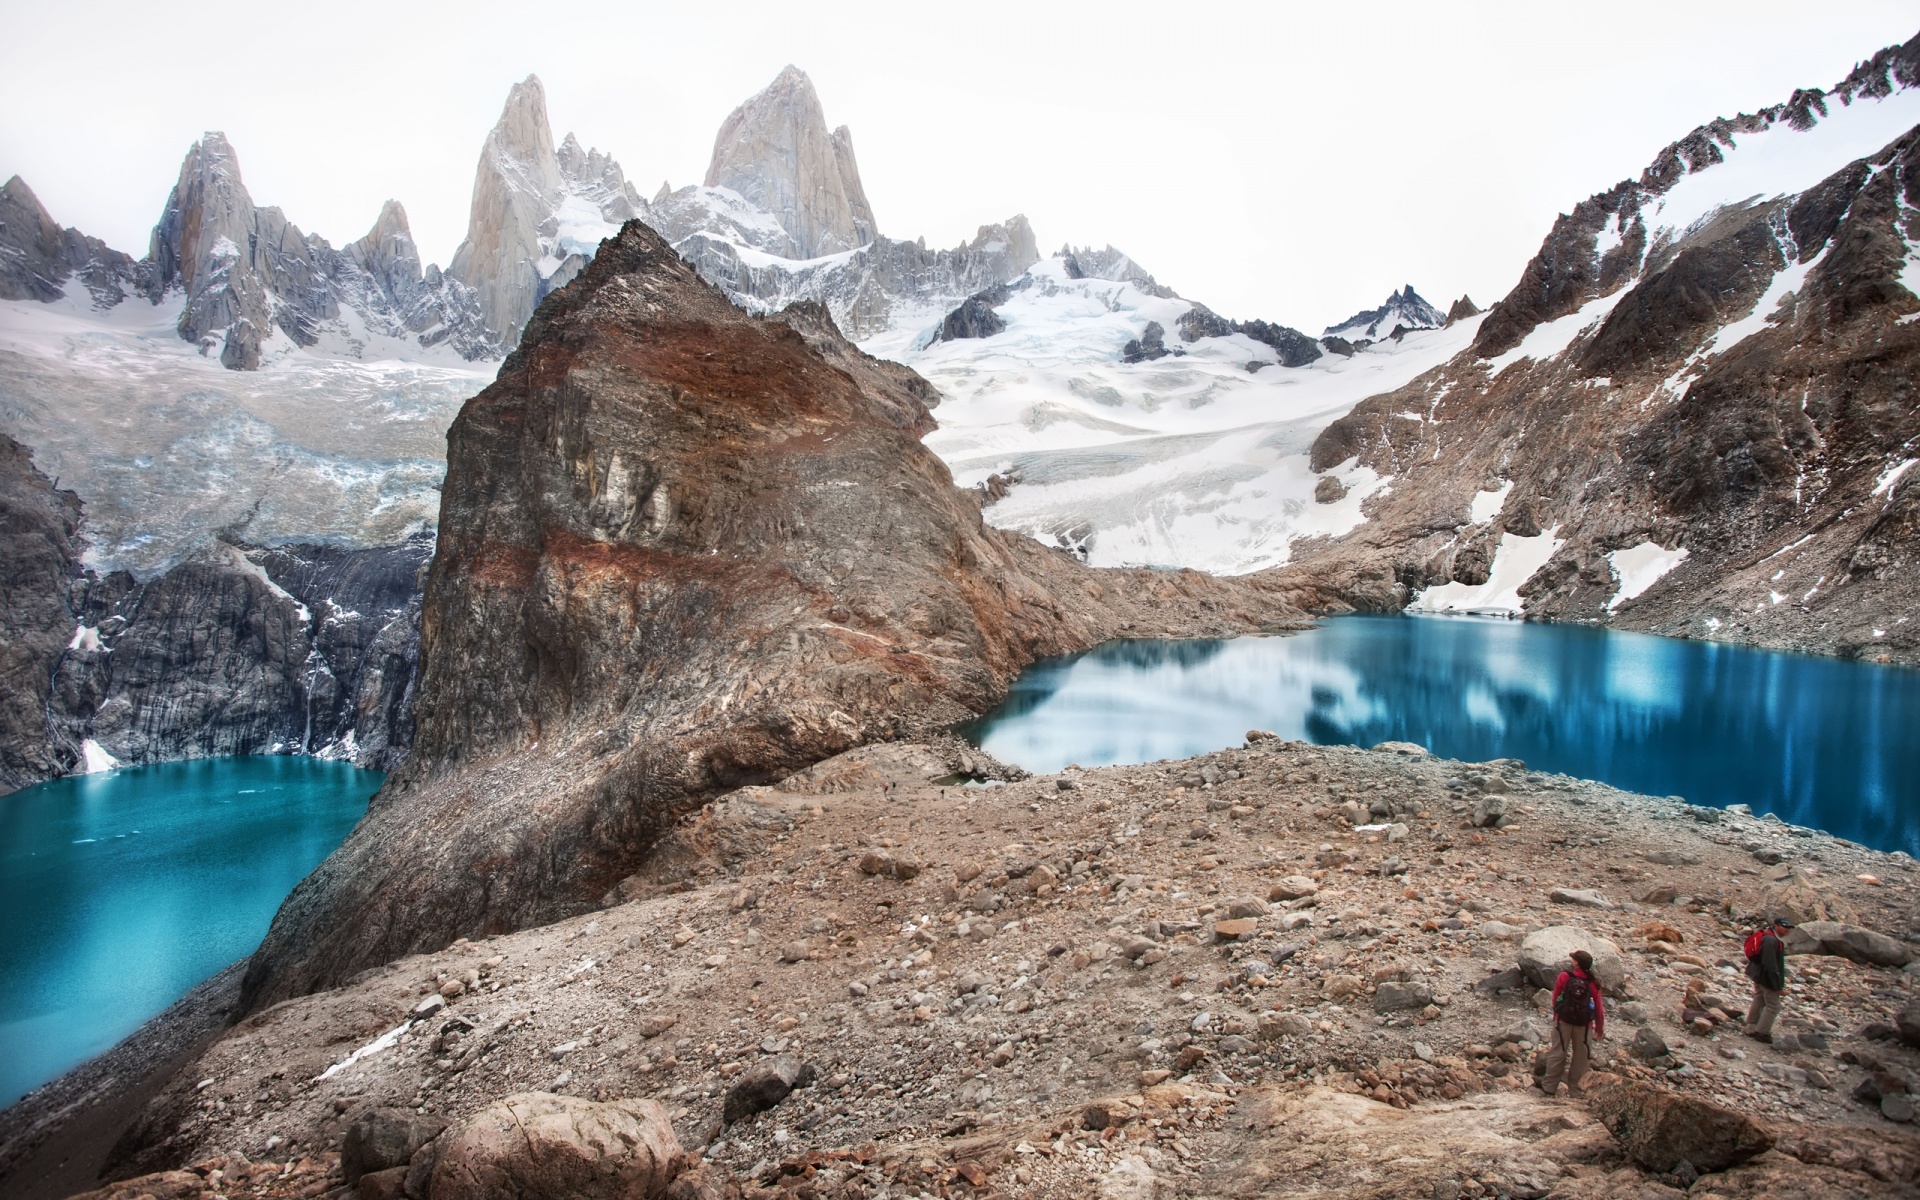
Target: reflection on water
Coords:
[(1821, 742), (122, 891)]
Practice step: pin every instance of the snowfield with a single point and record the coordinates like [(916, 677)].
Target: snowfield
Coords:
[(167, 448), (1192, 460)]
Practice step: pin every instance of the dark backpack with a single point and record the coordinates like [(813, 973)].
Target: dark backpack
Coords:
[(1574, 1005)]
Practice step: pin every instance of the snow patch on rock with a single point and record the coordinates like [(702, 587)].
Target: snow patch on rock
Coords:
[(1640, 567), (1516, 560)]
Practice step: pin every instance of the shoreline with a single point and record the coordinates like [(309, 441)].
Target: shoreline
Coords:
[(797, 850)]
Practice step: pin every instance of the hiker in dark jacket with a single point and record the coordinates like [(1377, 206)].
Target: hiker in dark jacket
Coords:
[(1767, 967), (1579, 1014)]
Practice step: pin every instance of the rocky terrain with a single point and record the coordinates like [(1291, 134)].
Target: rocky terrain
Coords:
[(682, 548), (238, 650), (1277, 970), (1692, 416)]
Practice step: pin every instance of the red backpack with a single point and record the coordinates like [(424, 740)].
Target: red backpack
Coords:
[(1753, 943)]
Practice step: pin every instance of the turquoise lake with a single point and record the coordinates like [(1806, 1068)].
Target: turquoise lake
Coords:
[(124, 890), (1821, 742)]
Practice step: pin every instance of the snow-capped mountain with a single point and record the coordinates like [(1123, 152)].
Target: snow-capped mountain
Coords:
[(1105, 414), (1693, 414), (1404, 309), (538, 212)]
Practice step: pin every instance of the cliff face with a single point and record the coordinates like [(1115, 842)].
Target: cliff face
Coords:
[(39, 527), (775, 151), (297, 649), (1693, 415), (682, 548)]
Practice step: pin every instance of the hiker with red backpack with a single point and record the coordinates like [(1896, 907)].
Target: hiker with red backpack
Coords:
[(1579, 1013), (1767, 967)]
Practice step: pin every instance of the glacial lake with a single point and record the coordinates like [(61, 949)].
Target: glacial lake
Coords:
[(121, 891), (1825, 743)]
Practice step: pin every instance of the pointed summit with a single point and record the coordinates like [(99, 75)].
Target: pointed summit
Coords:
[(515, 189), (775, 151)]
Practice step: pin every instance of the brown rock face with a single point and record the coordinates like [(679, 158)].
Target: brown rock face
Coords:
[(1661, 1129), (539, 1146), (1768, 453), (682, 549)]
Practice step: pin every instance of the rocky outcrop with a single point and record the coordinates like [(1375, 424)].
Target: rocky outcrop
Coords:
[(38, 258), (39, 555), (1715, 440), (1293, 348), (682, 549), (1461, 309), (539, 1146), (293, 649), (1403, 312), (1662, 1130), (775, 151), (974, 318)]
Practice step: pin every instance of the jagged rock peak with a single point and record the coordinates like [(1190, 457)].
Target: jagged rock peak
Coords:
[(1462, 308), (775, 151), (515, 188), (388, 250), (1404, 310), (37, 257)]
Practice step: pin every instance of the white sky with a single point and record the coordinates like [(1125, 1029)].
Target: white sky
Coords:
[(1292, 162)]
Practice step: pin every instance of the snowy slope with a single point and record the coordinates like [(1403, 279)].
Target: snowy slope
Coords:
[(1190, 460), (166, 446)]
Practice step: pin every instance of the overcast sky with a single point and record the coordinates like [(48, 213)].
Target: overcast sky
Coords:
[(1292, 162)]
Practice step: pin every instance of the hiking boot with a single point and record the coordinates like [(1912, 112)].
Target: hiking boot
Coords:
[(1760, 1037)]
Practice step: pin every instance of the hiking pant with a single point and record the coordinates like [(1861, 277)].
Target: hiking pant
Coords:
[(1763, 1011), (1566, 1054)]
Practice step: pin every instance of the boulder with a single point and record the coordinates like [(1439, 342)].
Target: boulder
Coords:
[(536, 1145), (1850, 942), (1660, 1129), (764, 1086), (381, 1139), (1543, 955), (1293, 887), (1804, 898), (1908, 1022), (1394, 996), (1282, 1025), (1647, 1043), (1489, 809)]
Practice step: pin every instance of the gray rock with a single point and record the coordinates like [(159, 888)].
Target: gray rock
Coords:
[(1850, 942), (1501, 981), (763, 1086), (1647, 1043), (1908, 1022), (1520, 1031), (1543, 955), (1584, 897), (1488, 810), (1395, 997), (380, 1139), (1897, 1106)]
